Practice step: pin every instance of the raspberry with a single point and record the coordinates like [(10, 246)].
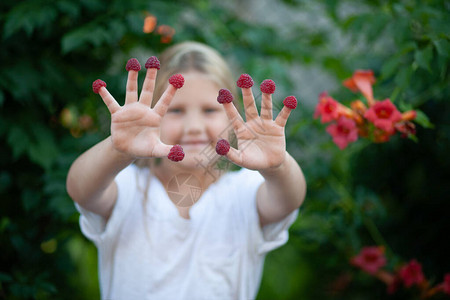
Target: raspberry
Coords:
[(176, 153), (225, 96), (133, 64), (245, 81), (177, 80), (267, 86), (96, 85), (290, 102), (153, 63), (222, 147)]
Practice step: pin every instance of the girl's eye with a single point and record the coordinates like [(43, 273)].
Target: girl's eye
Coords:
[(175, 110), (210, 110)]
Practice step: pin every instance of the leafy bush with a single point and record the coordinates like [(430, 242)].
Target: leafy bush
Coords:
[(390, 194)]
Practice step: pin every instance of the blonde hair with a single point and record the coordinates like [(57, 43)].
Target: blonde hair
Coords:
[(193, 56)]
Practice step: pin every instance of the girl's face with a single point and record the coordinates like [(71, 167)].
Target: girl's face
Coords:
[(195, 120)]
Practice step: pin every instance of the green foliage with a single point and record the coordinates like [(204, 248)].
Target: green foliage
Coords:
[(386, 194)]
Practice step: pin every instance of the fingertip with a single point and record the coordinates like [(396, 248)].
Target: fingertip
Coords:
[(234, 156), (103, 91), (290, 102), (153, 63), (222, 147), (97, 85), (268, 86), (245, 81), (169, 93), (283, 116), (176, 153), (225, 96), (133, 65), (177, 80)]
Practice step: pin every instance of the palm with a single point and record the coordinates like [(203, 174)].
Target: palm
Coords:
[(262, 144), (135, 127), (261, 140), (135, 130)]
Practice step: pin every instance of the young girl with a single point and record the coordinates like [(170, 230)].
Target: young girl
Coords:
[(185, 229)]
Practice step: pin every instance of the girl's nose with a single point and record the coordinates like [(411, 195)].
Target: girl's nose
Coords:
[(194, 123)]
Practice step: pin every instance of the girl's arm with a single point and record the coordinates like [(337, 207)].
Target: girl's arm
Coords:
[(135, 133), (90, 181), (282, 192)]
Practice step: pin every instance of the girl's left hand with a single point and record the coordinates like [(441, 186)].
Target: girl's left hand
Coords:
[(261, 140)]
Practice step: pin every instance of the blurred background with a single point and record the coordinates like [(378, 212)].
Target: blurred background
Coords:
[(393, 194)]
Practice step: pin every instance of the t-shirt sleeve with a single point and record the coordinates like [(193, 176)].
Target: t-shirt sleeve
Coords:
[(271, 236), (94, 226)]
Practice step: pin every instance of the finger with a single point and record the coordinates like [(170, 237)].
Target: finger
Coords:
[(234, 156), (233, 115), (148, 87), (249, 104), (109, 100), (131, 95), (266, 107), (133, 68), (161, 150), (283, 116), (164, 102)]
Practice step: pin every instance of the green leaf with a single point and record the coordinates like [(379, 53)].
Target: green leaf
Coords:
[(442, 47), (405, 106), (44, 151), (92, 34), (4, 277), (422, 119), (40, 146), (423, 57), (413, 137), (408, 47), (5, 182), (403, 77), (18, 140), (69, 8), (30, 199), (376, 24), (17, 19), (28, 16), (74, 39), (441, 25), (390, 67)]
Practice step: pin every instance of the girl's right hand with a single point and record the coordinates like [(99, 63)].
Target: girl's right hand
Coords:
[(135, 126)]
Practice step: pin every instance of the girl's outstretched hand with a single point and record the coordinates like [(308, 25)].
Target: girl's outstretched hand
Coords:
[(135, 125), (261, 139)]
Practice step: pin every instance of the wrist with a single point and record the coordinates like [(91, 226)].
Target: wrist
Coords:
[(276, 170), (119, 155)]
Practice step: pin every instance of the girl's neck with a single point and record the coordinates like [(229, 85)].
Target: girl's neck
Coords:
[(205, 176), (200, 178)]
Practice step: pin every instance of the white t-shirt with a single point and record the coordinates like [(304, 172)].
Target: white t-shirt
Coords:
[(154, 253)]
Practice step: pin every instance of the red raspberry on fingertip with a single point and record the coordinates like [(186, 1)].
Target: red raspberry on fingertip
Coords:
[(267, 86), (176, 153), (222, 147), (290, 102), (96, 85), (153, 63), (245, 81), (225, 96), (176, 80), (133, 65)]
